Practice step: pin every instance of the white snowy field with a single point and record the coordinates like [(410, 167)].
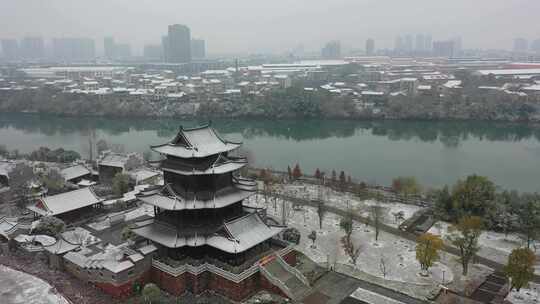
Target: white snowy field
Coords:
[(493, 245), (344, 200), (529, 295), (397, 254), (21, 288)]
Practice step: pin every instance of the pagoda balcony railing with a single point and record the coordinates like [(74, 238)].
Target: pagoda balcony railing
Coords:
[(244, 183), (211, 267), (201, 166), (206, 195)]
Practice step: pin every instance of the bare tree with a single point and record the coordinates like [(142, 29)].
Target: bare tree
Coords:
[(382, 266), (377, 213), (320, 212)]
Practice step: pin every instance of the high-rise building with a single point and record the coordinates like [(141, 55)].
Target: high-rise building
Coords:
[(153, 52), (398, 44), (428, 43), (332, 50), (165, 48), (420, 43), (10, 49), (198, 48), (73, 49), (458, 46), (521, 45), (32, 48), (535, 46), (109, 48), (409, 41), (122, 51), (370, 47), (444, 48), (179, 40)]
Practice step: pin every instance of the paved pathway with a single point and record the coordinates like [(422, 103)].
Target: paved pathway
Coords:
[(339, 286)]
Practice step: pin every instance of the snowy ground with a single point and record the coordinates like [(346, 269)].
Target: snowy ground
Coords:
[(494, 246), (22, 288), (397, 253), (346, 200), (528, 295)]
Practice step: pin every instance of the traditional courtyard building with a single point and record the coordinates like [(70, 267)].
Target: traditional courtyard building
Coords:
[(206, 238)]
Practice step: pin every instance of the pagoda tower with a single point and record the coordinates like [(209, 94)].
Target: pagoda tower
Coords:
[(199, 215)]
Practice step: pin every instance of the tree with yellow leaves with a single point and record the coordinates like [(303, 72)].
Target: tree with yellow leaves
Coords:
[(427, 250)]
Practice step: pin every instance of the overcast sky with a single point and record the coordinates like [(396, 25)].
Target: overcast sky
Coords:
[(241, 26)]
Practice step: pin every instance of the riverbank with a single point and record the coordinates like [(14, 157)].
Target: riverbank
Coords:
[(285, 105)]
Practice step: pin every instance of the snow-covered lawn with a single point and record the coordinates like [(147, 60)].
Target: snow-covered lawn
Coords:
[(397, 254), (344, 200), (493, 245), (529, 295), (21, 288)]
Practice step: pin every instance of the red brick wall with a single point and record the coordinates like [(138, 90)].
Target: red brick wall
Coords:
[(167, 282), (210, 281), (126, 289), (266, 285)]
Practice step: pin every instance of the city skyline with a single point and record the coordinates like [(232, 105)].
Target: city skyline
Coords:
[(269, 28)]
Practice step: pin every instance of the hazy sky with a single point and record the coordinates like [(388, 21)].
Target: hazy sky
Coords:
[(275, 25)]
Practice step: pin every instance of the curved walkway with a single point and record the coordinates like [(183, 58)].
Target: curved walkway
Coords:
[(22, 288), (72, 289)]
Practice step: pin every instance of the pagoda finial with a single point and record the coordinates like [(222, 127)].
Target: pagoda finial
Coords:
[(210, 123), (181, 128)]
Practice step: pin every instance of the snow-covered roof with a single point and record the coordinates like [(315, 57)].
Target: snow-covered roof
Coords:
[(44, 240), (535, 87), (6, 167), (74, 172), (65, 202), (143, 174), (147, 249), (197, 142), (86, 183), (244, 233), (508, 72), (452, 84), (372, 93), (166, 199), (113, 160)]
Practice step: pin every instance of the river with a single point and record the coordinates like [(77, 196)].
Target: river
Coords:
[(436, 153)]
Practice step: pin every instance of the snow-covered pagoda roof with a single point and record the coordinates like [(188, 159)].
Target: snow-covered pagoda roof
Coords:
[(197, 142), (217, 164), (166, 198), (65, 202), (240, 234)]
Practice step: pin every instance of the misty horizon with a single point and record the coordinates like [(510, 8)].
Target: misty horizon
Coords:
[(246, 27)]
